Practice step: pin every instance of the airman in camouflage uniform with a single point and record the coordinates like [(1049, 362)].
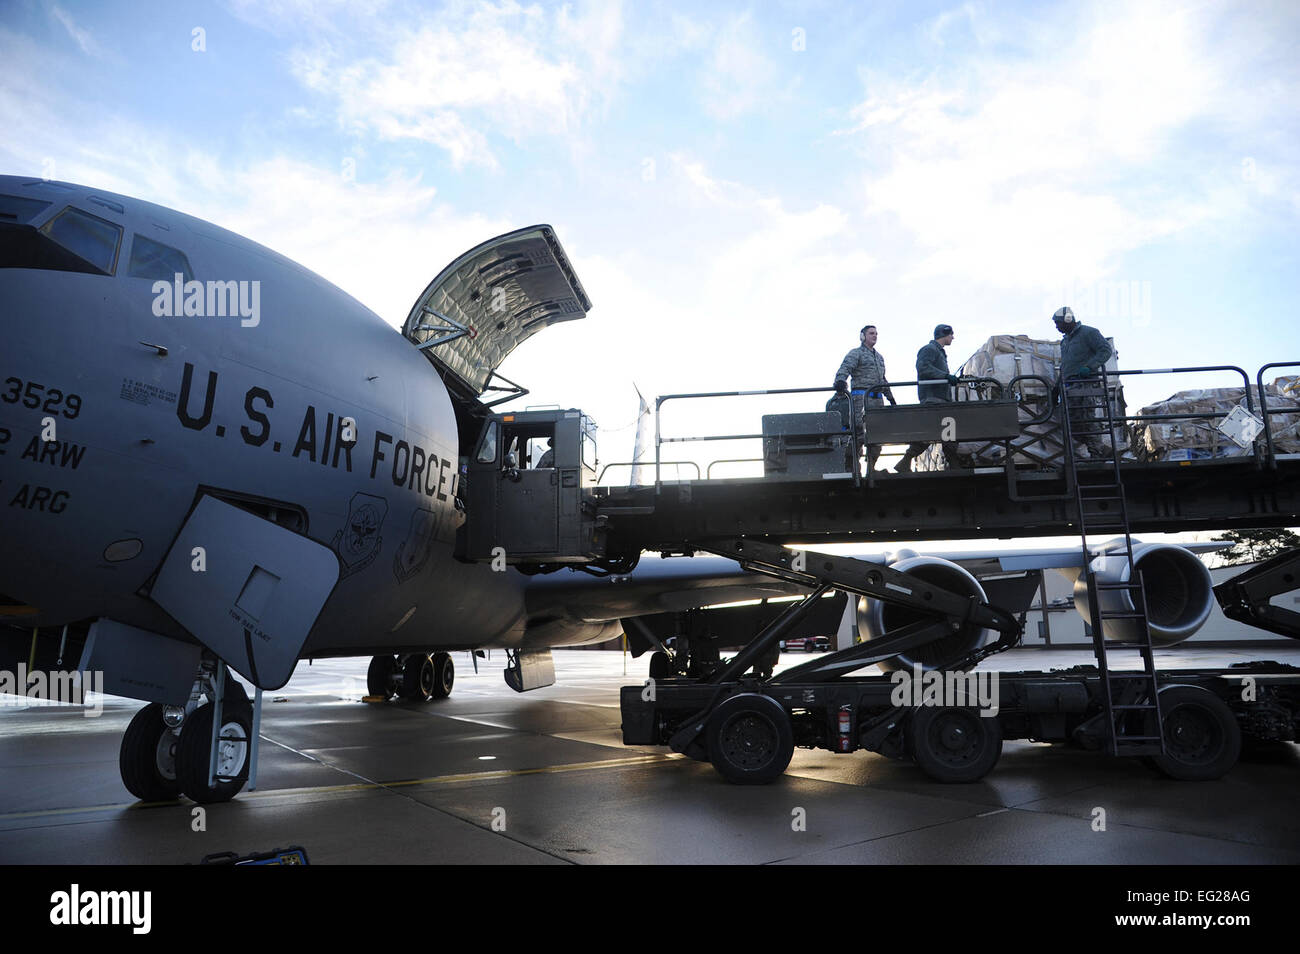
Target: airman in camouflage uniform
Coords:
[(867, 369)]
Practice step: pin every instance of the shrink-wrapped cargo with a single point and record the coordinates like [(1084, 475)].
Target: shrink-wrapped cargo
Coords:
[(1196, 438), (1004, 358)]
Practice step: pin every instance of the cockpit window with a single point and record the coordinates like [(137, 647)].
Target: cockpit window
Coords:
[(14, 208), (588, 445), (487, 448), (150, 259), (87, 236)]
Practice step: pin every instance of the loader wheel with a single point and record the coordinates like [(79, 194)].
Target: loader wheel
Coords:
[(955, 743), (1202, 738), (750, 739)]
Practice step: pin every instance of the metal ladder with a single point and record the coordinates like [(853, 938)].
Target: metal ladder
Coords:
[(1130, 698)]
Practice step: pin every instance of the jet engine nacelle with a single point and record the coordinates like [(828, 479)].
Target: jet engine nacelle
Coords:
[(876, 619), (1178, 588)]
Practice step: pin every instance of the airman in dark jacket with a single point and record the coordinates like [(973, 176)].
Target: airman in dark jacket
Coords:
[(932, 365), (1084, 352)]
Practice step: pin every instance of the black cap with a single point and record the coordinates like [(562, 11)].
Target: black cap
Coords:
[(942, 331)]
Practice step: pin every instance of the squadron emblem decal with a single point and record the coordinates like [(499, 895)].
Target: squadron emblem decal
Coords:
[(413, 552), (359, 542)]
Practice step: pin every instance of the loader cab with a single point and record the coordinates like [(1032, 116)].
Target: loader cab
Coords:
[(527, 479)]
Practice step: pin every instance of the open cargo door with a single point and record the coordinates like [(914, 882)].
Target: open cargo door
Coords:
[(489, 301)]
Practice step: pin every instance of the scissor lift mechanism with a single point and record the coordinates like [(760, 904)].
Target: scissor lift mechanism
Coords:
[(1246, 597), (748, 726)]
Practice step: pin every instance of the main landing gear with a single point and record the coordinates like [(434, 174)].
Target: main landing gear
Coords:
[(168, 751), (418, 677), (695, 652)]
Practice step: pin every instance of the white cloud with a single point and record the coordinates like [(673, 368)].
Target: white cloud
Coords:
[(738, 289), (715, 190), (290, 17), (763, 272), (457, 77), (938, 26), (84, 38), (738, 78), (1055, 160), (382, 242)]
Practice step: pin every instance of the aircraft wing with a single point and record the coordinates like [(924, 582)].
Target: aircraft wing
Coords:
[(678, 584), (655, 586), (681, 583), (490, 300)]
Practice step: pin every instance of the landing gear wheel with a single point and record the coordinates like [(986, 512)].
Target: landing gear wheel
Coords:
[(749, 739), (148, 757), (417, 678), (955, 744), (661, 666), (379, 677), (444, 675), (1202, 738), (235, 694), (233, 749)]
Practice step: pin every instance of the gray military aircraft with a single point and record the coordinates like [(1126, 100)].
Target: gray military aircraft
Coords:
[(207, 452), (211, 456)]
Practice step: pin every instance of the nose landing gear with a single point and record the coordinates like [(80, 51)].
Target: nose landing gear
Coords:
[(169, 751)]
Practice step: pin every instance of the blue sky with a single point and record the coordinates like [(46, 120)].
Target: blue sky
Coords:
[(739, 187)]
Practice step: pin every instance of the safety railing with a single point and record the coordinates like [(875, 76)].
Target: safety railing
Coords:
[(855, 426), (1036, 407), (1130, 419), (600, 479), (663, 399), (1131, 423), (1038, 397), (1266, 412)]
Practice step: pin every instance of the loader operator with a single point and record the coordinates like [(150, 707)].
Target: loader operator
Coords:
[(1084, 352), (867, 369)]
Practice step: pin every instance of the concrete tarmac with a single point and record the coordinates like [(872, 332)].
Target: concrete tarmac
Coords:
[(489, 776)]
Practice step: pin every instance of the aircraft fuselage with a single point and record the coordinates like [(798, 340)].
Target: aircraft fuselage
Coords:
[(123, 397)]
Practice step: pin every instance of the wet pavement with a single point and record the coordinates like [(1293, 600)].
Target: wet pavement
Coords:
[(490, 776)]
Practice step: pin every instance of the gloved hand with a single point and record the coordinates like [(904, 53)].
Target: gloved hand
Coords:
[(952, 379), (842, 387), (1085, 372)]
